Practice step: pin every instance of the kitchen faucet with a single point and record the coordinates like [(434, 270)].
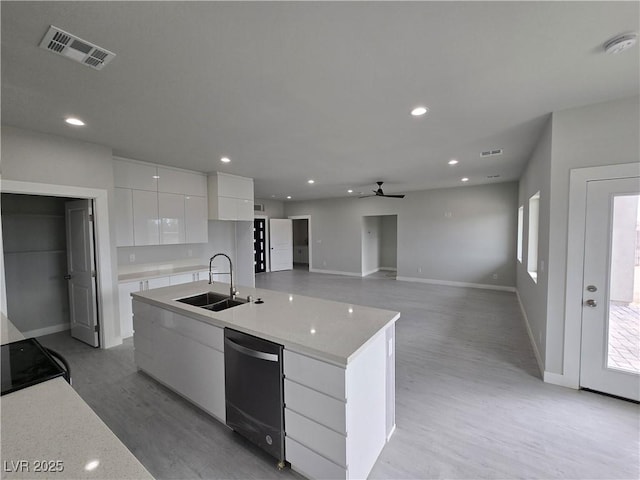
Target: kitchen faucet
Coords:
[(232, 290)]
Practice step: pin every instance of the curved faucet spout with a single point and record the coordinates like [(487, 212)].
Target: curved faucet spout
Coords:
[(232, 290)]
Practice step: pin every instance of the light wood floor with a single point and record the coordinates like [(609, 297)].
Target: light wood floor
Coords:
[(470, 402)]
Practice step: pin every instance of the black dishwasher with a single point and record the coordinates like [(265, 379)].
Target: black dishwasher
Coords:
[(254, 390)]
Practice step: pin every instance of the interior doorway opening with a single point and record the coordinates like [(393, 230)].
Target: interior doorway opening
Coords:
[(301, 243), (380, 246), (38, 245)]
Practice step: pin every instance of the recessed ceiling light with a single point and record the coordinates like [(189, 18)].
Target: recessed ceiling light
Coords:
[(75, 121), (273, 196), (419, 111), (288, 197), (349, 191), (311, 181), (464, 179), (453, 161), (621, 43), (225, 159), (156, 176)]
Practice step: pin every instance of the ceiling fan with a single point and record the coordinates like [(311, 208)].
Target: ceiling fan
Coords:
[(380, 193)]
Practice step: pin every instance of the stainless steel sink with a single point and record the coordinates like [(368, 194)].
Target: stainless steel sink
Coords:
[(212, 301)]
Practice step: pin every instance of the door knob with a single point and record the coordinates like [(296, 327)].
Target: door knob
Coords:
[(592, 288), (591, 303), (67, 277)]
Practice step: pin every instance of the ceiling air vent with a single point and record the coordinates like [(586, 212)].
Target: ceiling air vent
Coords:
[(68, 45), (258, 207), (491, 153)]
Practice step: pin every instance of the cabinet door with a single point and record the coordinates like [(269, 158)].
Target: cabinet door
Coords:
[(145, 218), (182, 278), (185, 183), (196, 225), (236, 187), (171, 214), (126, 313), (157, 282), (133, 175), (227, 208), (244, 209), (123, 200)]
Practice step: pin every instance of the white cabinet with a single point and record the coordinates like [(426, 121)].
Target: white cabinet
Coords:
[(230, 197), (145, 218), (135, 175), (183, 353), (123, 202), (195, 219), (158, 205), (172, 218), (125, 290), (178, 181)]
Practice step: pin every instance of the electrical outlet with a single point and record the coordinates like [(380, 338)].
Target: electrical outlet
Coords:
[(324, 263), (189, 253), (419, 269), (494, 276), (132, 257)]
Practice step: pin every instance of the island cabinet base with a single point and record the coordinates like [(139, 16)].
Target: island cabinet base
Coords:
[(337, 420), (182, 353)]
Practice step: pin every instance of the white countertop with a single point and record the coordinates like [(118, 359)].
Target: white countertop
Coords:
[(160, 272), (330, 331), (49, 422)]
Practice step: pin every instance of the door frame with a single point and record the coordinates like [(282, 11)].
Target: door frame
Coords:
[(266, 240), (306, 217), (109, 326), (578, 179)]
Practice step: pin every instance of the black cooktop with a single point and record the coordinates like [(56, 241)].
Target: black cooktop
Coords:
[(25, 363)]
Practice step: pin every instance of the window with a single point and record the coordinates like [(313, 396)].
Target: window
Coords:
[(520, 232), (532, 251)]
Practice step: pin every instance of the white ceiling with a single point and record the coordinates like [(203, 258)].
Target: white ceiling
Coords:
[(292, 91)]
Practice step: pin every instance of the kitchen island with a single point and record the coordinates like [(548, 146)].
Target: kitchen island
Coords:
[(339, 367)]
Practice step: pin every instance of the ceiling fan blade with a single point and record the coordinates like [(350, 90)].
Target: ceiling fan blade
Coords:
[(368, 196), (393, 196)]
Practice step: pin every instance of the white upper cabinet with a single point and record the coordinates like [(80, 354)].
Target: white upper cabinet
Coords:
[(145, 218), (185, 183), (171, 212), (158, 205), (123, 201), (138, 176), (196, 224), (230, 197)]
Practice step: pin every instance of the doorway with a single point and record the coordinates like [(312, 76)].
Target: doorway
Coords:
[(610, 353), (380, 246), (301, 243), (49, 265)]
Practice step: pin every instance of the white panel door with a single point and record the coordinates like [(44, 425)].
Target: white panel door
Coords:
[(610, 353), (281, 244), (196, 220), (81, 273), (145, 218), (171, 214)]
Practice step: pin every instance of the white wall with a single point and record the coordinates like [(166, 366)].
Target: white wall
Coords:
[(594, 135), (371, 240), (51, 160), (272, 208), (533, 296), (389, 242), (601, 134), (463, 234)]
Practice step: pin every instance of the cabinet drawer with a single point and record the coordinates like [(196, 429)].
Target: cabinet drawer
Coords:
[(316, 374), (143, 345), (315, 405), (317, 437), (204, 333), (310, 464), (142, 327)]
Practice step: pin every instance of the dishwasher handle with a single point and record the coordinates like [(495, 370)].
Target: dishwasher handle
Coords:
[(270, 357)]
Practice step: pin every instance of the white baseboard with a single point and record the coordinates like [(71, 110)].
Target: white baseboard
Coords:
[(448, 283), (39, 332), (561, 380), (370, 272), (531, 337), (391, 432), (335, 272), (388, 269)]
